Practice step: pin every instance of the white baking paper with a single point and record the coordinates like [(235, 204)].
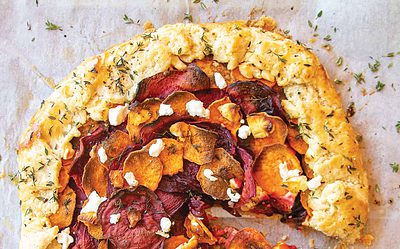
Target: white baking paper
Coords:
[(32, 57)]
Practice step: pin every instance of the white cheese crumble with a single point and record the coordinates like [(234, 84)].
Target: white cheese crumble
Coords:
[(314, 183), (196, 108), (242, 121), (244, 132), (156, 148), (234, 196), (94, 201), (117, 115), (165, 224), (102, 155), (165, 110), (130, 179), (64, 239), (114, 218), (209, 175), (286, 173), (219, 80)]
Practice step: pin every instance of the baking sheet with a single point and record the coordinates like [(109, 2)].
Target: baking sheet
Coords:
[(31, 58)]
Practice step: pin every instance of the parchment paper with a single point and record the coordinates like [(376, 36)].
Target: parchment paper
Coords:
[(30, 58)]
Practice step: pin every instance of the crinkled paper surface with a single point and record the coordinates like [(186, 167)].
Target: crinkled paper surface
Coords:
[(32, 58)]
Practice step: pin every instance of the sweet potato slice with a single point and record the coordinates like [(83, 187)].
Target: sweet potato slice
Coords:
[(116, 143), (210, 66), (266, 171), (63, 176), (144, 113), (224, 168), (237, 76), (296, 142), (92, 224), (146, 169), (199, 143), (195, 227), (175, 241), (266, 130), (248, 238), (95, 177), (226, 113), (171, 156), (66, 206), (178, 100), (116, 178)]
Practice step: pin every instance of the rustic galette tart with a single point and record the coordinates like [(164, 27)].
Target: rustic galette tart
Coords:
[(136, 144)]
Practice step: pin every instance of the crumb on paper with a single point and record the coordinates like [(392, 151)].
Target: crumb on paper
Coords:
[(367, 239), (148, 26), (311, 243)]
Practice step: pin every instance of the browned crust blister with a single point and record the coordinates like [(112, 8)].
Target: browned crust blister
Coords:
[(337, 208)]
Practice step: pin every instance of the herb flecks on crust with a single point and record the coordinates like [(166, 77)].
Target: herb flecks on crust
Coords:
[(104, 81)]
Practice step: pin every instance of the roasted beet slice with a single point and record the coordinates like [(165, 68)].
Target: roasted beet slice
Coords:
[(172, 202), (255, 97), (82, 238), (160, 127), (210, 95), (249, 186), (140, 233), (183, 182), (82, 156), (163, 84)]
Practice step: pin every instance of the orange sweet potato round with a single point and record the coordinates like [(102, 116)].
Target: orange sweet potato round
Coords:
[(146, 169), (171, 156), (66, 206), (144, 113), (248, 238), (266, 171), (266, 130), (95, 177), (178, 100), (175, 241), (296, 142), (116, 143), (226, 113)]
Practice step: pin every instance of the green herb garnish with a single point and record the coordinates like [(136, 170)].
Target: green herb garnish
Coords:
[(52, 26)]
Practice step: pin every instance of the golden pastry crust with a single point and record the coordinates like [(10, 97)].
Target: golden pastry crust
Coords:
[(339, 206)]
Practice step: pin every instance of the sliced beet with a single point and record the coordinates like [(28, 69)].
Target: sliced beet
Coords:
[(160, 127), (183, 182), (172, 202), (143, 234), (225, 138), (253, 96), (162, 84), (297, 215), (82, 238), (249, 184), (198, 205), (82, 156), (210, 95)]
